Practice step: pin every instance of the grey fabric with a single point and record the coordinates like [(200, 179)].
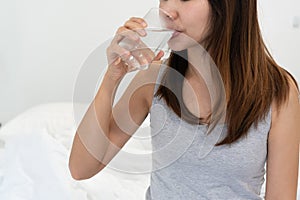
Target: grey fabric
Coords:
[(182, 171)]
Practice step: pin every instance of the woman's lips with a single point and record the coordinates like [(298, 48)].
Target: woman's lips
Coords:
[(176, 33)]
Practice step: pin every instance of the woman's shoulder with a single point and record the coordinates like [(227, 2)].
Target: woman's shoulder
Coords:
[(288, 113), (292, 101)]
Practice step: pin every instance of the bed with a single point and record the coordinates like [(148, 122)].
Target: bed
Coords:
[(34, 152)]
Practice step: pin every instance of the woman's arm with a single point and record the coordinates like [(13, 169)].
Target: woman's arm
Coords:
[(103, 130), (83, 162), (283, 149)]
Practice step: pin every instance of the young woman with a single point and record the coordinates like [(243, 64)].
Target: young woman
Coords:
[(262, 116)]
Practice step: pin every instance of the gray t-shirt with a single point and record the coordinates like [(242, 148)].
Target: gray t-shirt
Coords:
[(187, 165)]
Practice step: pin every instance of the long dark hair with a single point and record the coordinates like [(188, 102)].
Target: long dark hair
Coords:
[(251, 77)]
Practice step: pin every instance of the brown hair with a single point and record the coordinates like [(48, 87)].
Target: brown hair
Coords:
[(251, 77)]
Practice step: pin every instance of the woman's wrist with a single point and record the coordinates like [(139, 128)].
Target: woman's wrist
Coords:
[(112, 78)]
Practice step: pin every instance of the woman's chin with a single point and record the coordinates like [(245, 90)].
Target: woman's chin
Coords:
[(181, 42), (176, 45)]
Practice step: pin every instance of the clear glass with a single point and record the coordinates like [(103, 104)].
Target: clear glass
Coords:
[(158, 33)]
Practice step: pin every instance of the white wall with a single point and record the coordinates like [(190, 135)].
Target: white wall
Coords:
[(282, 38), (44, 43)]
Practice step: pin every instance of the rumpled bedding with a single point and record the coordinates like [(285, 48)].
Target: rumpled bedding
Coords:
[(34, 153)]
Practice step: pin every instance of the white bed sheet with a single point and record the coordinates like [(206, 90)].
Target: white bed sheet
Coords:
[(34, 152)]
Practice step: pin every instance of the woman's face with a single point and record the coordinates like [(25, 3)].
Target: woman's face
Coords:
[(190, 19)]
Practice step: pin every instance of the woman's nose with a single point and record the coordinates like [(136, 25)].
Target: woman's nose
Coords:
[(171, 14), (168, 19), (170, 10)]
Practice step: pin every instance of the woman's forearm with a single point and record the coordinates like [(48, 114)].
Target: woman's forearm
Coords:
[(91, 140)]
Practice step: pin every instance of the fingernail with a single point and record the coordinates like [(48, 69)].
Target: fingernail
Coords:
[(144, 24)]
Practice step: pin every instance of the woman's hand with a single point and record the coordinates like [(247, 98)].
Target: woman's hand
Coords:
[(125, 58)]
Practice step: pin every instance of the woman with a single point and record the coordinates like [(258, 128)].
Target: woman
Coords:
[(262, 108)]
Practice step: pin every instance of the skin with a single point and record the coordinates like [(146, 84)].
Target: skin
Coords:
[(192, 24), (134, 105)]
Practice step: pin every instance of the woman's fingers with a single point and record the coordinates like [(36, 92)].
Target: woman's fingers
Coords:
[(114, 51), (119, 54), (122, 33), (159, 55), (139, 20), (128, 50), (136, 24)]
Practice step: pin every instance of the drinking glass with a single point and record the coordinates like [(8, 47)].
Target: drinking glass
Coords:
[(158, 33)]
